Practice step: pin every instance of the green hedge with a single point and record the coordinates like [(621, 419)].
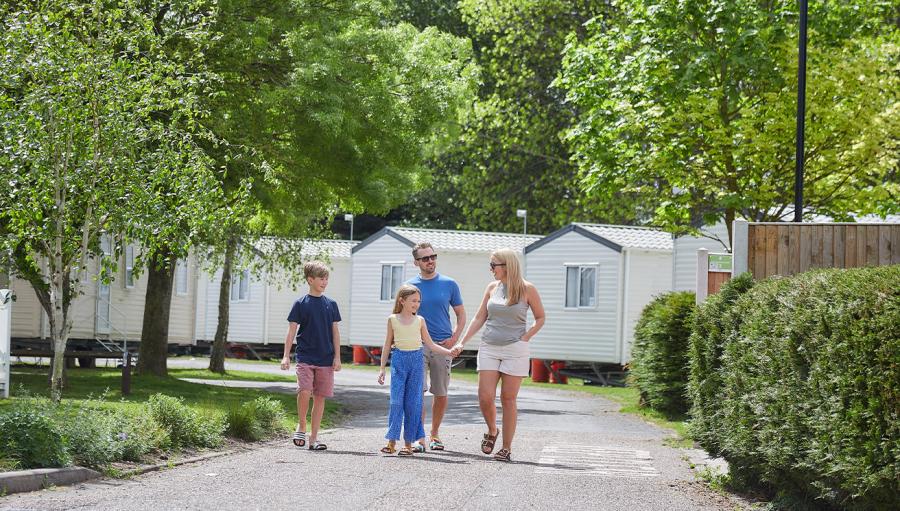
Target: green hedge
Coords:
[(659, 364), (808, 397), (713, 322)]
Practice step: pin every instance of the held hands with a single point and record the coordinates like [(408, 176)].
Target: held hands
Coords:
[(456, 349), (285, 363), (381, 376)]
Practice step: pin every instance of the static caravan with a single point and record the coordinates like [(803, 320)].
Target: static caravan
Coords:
[(594, 281), (384, 261), (113, 311), (259, 309), (684, 256)]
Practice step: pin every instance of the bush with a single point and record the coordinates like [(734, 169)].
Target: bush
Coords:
[(809, 395), (31, 439), (93, 436), (713, 322), (659, 365), (185, 427), (140, 434), (255, 420)]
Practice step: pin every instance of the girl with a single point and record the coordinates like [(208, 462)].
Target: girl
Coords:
[(503, 355), (405, 333)]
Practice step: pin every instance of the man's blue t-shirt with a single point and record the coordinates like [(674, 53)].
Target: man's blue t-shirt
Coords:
[(315, 341), (438, 295)]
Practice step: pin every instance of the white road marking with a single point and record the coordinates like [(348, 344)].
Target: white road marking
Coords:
[(590, 460)]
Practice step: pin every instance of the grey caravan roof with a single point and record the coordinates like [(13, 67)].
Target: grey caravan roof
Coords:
[(309, 248), (615, 237), (460, 241)]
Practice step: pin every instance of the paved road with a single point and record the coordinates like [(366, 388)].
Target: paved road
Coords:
[(572, 451)]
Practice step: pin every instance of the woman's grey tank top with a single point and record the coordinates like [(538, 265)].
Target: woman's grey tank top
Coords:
[(505, 323)]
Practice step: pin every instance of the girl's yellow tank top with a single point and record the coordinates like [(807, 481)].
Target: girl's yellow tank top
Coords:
[(407, 337)]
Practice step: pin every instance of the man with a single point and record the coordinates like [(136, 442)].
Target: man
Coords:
[(439, 294)]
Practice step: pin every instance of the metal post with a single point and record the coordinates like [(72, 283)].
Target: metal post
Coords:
[(801, 116), (6, 298), (702, 281), (348, 217)]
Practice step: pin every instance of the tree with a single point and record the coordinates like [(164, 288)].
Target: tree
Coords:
[(326, 109), (81, 89), (691, 107)]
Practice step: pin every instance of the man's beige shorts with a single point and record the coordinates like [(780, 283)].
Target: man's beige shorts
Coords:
[(437, 366)]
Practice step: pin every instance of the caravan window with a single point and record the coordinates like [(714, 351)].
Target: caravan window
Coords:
[(181, 277), (581, 286), (240, 286), (391, 278), (129, 266)]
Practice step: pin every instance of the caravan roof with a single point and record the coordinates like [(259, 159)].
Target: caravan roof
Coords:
[(615, 237), (462, 241)]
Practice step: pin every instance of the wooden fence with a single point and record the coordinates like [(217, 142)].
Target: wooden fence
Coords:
[(787, 248)]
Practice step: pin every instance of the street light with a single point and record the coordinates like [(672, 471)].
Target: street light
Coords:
[(348, 217), (801, 116), (523, 214)]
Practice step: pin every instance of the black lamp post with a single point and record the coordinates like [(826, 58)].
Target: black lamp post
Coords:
[(801, 116)]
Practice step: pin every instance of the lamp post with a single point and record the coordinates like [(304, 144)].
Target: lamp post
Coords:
[(349, 218), (801, 115), (523, 214)]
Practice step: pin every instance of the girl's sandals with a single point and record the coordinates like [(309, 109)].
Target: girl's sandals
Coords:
[(317, 446), (405, 451), (502, 455), (299, 438), (389, 448), (487, 445), (418, 449), (436, 444)]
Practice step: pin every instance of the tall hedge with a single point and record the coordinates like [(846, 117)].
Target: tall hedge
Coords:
[(713, 323), (659, 364), (809, 398)]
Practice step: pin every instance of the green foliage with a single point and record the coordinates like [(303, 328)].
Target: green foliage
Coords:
[(808, 395), (31, 439), (714, 321), (659, 366), (255, 420), (691, 106), (185, 427), (139, 434)]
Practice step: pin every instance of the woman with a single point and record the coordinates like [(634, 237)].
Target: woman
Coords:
[(503, 355)]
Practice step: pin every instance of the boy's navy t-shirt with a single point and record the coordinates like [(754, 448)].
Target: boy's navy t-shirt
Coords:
[(315, 341), (438, 295)]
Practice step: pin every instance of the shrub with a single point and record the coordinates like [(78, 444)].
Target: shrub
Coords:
[(810, 386), (255, 420), (140, 434), (713, 322), (93, 436), (31, 439), (659, 366), (185, 427)]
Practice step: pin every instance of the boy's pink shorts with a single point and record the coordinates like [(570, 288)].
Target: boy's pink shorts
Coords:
[(316, 379)]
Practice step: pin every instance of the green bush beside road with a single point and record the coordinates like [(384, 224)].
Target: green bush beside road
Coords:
[(659, 363), (797, 384)]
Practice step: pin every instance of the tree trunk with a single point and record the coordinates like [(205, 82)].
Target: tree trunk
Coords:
[(59, 332), (217, 355), (155, 330)]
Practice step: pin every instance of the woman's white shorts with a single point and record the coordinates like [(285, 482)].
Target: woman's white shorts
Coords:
[(512, 359)]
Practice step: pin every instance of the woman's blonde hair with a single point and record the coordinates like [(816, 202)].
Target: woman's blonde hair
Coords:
[(515, 284), (405, 291)]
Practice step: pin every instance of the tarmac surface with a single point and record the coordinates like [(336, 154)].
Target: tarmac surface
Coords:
[(571, 451)]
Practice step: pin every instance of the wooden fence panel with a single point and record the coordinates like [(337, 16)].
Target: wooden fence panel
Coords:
[(790, 248), (715, 281)]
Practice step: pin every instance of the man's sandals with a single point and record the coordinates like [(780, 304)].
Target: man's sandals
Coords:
[(487, 445), (299, 438)]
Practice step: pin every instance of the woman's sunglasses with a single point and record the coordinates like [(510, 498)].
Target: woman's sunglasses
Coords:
[(495, 265)]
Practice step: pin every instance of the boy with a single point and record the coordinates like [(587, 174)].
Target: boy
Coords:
[(314, 322)]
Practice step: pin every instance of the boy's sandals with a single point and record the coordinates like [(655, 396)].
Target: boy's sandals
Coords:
[(418, 449), (405, 451), (299, 438), (389, 448), (436, 444), (502, 455), (316, 445), (487, 445)]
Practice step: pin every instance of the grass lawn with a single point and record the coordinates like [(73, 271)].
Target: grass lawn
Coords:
[(204, 398), (628, 397)]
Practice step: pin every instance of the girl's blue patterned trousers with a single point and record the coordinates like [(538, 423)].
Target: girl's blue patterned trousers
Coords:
[(407, 378)]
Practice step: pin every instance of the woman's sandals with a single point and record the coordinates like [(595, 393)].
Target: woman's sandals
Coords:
[(299, 438), (502, 455), (487, 445)]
